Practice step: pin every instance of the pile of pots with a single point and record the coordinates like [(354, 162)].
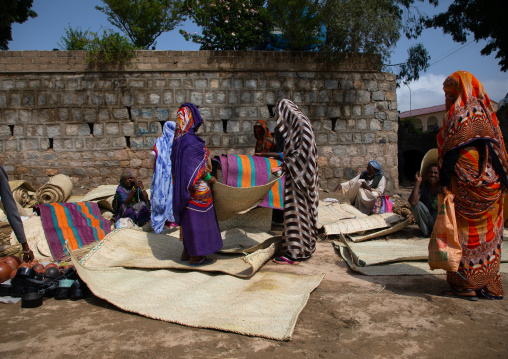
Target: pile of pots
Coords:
[(34, 281)]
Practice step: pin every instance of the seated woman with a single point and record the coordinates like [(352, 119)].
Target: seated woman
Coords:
[(365, 188), (423, 199), (131, 200)]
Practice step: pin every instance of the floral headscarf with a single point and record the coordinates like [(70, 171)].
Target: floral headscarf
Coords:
[(470, 116), (188, 118), (267, 142)]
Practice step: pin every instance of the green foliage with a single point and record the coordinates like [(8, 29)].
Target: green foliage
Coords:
[(408, 123), (228, 25), (143, 20), (111, 48), (299, 21), (418, 61), (13, 11), (485, 20), (74, 39), (362, 26)]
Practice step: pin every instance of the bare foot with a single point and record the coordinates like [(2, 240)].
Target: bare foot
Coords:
[(185, 256)]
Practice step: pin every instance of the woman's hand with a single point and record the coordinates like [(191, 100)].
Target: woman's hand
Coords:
[(365, 186), (418, 178), (212, 180), (28, 255), (274, 170)]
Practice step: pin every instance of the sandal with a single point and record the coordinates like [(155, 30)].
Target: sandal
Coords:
[(285, 260), (452, 294), (202, 262)]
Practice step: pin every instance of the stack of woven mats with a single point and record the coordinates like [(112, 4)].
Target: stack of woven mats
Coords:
[(379, 245), (141, 272)]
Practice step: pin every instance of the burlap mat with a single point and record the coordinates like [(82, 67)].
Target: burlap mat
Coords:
[(362, 224), (58, 189), (331, 213), (101, 192), (231, 201), (36, 239), (394, 257), (137, 249), (355, 237), (266, 305), (23, 193)]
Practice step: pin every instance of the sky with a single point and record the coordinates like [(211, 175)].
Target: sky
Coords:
[(45, 31)]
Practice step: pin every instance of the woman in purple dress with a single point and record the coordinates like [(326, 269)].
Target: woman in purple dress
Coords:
[(131, 200), (192, 198)]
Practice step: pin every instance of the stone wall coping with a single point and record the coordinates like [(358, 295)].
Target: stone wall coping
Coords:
[(202, 60)]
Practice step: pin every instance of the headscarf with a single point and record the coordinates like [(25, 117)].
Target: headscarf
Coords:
[(123, 192), (122, 178), (377, 166), (377, 176), (470, 117), (189, 119), (267, 142), (300, 154), (162, 180), (188, 157)]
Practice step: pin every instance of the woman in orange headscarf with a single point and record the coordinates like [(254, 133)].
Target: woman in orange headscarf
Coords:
[(473, 166), (264, 139)]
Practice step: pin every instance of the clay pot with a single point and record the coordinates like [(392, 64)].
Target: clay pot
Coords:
[(5, 271), (17, 259), (51, 265), (13, 273), (25, 265), (39, 268), (10, 260)]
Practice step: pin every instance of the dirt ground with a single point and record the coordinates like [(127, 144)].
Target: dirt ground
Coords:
[(348, 315)]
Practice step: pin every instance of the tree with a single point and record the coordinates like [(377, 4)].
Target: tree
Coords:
[(228, 25), (374, 27), (13, 11), (299, 21), (143, 20), (74, 39), (368, 26), (485, 20)]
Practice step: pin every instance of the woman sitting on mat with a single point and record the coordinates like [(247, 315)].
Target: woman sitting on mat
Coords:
[(364, 189), (192, 197), (301, 189), (131, 200)]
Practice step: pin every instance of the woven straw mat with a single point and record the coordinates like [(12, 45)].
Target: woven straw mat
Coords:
[(231, 201), (266, 305), (58, 189), (137, 249)]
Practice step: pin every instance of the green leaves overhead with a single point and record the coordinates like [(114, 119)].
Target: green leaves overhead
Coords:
[(143, 20)]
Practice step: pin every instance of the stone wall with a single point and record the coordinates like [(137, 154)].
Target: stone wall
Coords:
[(59, 115)]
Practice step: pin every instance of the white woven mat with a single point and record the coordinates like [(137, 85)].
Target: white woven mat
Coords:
[(137, 249), (266, 305)]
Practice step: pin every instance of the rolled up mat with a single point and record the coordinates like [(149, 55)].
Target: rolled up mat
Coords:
[(22, 192), (57, 190)]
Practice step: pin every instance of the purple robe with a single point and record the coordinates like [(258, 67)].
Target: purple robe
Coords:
[(192, 206)]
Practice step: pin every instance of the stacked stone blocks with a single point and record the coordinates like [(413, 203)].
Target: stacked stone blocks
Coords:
[(91, 124)]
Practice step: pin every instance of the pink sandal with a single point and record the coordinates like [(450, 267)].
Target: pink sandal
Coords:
[(285, 260)]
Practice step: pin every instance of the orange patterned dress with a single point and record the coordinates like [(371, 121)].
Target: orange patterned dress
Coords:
[(471, 135)]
